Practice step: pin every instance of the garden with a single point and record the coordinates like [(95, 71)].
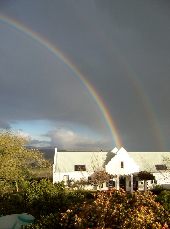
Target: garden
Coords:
[(54, 206)]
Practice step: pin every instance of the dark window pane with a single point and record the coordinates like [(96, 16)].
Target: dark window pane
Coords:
[(161, 167), (79, 168)]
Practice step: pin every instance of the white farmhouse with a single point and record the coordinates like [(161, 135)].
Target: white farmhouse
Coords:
[(122, 165)]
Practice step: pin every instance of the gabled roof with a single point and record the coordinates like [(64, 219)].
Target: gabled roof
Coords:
[(148, 160), (122, 163), (95, 160), (67, 160)]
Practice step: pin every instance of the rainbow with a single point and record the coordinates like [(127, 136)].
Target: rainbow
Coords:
[(146, 103), (57, 52), (133, 78), (149, 110)]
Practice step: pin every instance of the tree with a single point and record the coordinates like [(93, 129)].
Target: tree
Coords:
[(78, 184), (166, 166), (16, 161), (99, 177)]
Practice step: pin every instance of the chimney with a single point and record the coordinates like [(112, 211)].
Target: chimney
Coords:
[(55, 162), (55, 156)]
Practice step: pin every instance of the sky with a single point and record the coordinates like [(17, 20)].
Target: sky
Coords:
[(86, 75)]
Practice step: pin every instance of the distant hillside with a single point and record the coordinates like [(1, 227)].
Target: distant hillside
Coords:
[(48, 153)]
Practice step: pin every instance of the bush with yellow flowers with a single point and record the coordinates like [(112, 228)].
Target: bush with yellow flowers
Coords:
[(110, 209), (117, 209)]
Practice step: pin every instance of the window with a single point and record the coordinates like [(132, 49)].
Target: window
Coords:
[(111, 183), (79, 168), (161, 167), (122, 164), (89, 179)]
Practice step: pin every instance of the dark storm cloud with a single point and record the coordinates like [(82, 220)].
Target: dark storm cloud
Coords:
[(4, 125), (35, 84), (122, 48)]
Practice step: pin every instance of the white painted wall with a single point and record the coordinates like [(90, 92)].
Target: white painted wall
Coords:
[(76, 175), (162, 178), (149, 185), (114, 166)]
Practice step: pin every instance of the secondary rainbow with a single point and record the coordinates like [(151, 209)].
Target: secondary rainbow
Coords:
[(138, 88), (52, 48)]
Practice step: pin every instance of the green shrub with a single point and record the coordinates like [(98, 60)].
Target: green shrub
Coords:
[(11, 203), (117, 209), (55, 207), (164, 199), (111, 209), (157, 189), (43, 197), (46, 222)]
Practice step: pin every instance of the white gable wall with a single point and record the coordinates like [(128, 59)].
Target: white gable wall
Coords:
[(122, 157)]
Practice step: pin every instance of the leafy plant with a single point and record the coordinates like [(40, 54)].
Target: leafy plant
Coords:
[(111, 209), (17, 162), (164, 199), (43, 197)]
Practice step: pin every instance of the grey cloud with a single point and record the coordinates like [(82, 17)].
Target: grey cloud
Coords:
[(37, 143), (36, 87), (4, 125), (70, 140)]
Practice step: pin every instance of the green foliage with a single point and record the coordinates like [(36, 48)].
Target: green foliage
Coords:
[(5, 186), (44, 197), (99, 177), (144, 175), (50, 221), (77, 197), (111, 209), (78, 185), (11, 203), (117, 209), (16, 161), (53, 220), (157, 189), (164, 199)]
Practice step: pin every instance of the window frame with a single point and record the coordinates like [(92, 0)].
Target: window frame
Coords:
[(79, 168), (122, 164)]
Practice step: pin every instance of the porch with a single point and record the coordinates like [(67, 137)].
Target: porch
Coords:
[(127, 182)]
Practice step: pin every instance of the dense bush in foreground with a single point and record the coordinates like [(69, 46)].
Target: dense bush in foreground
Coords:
[(56, 207), (111, 209)]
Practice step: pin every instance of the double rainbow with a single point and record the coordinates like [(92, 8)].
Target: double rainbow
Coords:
[(58, 53)]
